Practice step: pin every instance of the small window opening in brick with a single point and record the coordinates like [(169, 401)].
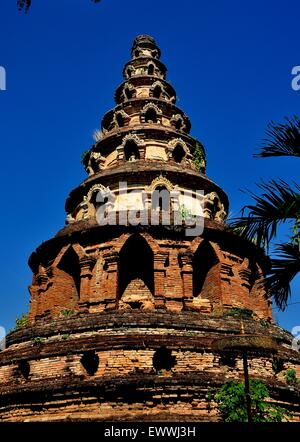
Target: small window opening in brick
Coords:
[(228, 359), (157, 91), (151, 116), (128, 93), (150, 69), (277, 365), (178, 153), (70, 265), (131, 151), (95, 197), (24, 369), (161, 199), (90, 362), (129, 72), (163, 359), (179, 124), (135, 262), (135, 305), (120, 120), (204, 263)]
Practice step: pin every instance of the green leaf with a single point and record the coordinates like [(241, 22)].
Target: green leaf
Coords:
[(284, 268), (283, 139), (231, 403), (278, 203)]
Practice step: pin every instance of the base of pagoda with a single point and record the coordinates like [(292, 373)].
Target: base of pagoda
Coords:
[(135, 366)]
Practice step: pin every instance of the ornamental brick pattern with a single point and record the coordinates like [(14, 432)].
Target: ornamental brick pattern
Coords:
[(124, 319)]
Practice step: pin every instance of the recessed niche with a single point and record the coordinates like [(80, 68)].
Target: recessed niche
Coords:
[(24, 369), (228, 359), (90, 362), (163, 359)]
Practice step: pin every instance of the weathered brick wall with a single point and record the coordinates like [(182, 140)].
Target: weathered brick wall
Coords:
[(178, 400), (61, 294), (127, 383), (228, 283), (121, 362)]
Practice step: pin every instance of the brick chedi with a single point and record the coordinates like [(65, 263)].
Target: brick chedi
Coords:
[(125, 317)]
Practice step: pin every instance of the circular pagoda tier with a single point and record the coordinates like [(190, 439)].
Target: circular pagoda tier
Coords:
[(133, 365)]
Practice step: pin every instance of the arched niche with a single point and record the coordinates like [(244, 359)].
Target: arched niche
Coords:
[(178, 153), (150, 69), (96, 189), (151, 114), (177, 122), (69, 275), (129, 72), (162, 195), (136, 274), (98, 202), (137, 53), (206, 272), (131, 151), (161, 200), (157, 90), (120, 119), (129, 91)]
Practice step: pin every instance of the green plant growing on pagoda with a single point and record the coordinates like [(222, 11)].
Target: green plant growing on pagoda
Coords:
[(199, 158), (186, 213), (277, 365), (244, 313), (264, 323), (37, 340), (67, 312), (231, 403), (21, 322), (291, 376)]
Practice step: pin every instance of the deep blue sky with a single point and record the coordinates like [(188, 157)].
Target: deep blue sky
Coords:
[(230, 62)]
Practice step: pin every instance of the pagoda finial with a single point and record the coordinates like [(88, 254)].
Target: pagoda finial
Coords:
[(145, 46)]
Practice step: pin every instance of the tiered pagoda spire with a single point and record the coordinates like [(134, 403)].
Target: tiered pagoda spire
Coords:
[(146, 132), (127, 321)]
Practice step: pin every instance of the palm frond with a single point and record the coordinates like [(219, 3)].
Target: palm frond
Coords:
[(278, 203), (283, 271), (283, 139), (23, 5)]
